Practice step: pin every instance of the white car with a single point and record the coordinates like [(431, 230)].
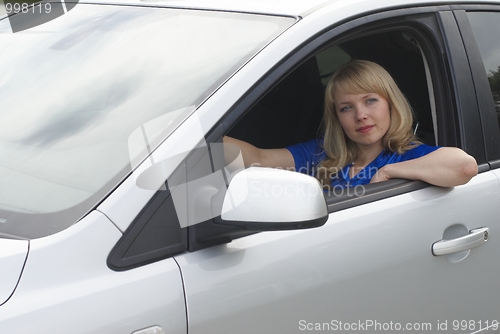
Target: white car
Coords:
[(119, 212)]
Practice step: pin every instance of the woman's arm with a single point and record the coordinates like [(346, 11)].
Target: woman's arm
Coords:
[(445, 167), (253, 156)]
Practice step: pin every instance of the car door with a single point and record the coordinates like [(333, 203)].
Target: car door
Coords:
[(375, 264)]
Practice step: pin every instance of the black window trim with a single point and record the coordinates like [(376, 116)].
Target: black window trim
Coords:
[(469, 121), (119, 259)]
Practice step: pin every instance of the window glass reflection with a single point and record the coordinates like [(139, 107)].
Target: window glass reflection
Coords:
[(483, 25), (73, 91)]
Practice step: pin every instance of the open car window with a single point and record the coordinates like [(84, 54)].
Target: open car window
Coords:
[(292, 111)]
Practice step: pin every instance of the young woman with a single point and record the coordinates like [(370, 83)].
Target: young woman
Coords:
[(368, 138)]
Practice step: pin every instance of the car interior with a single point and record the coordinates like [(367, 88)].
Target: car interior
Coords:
[(292, 111)]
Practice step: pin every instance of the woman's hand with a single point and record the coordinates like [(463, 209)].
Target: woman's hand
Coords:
[(445, 167), (382, 174)]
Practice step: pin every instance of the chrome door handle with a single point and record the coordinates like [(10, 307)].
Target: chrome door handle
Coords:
[(476, 237)]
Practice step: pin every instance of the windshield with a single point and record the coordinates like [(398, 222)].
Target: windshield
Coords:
[(73, 90)]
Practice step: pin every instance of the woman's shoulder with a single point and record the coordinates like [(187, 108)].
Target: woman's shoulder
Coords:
[(419, 150), (313, 146), (307, 155)]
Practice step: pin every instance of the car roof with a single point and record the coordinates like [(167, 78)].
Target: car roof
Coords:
[(273, 7), (281, 7)]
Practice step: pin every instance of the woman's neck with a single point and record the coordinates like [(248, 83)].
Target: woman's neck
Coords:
[(366, 156)]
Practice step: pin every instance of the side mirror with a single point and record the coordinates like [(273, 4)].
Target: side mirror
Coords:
[(267, 199)]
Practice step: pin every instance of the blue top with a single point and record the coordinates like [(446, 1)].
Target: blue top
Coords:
[(308, 155)]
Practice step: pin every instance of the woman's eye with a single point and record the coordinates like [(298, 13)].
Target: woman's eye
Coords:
[(344, 108), (370, 101)]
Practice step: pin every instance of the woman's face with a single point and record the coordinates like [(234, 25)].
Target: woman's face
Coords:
[(365, 118)]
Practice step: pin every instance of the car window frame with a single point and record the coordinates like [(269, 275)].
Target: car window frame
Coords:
[(425, 21)]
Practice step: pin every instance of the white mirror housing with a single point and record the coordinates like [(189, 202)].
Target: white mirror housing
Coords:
[(263, 199)]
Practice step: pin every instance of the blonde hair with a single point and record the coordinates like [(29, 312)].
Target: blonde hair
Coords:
[(358, 77)]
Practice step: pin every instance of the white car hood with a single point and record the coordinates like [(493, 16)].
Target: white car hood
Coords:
[(13, 255)]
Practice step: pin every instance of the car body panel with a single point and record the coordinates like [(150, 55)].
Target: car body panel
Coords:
[(13, 255), (282, 7), (67, 287), (371, 262), (497, 173)]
